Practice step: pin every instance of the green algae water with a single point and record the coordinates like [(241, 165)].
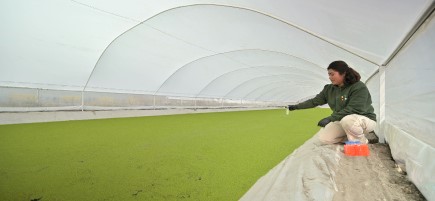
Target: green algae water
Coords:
[(208, 156)]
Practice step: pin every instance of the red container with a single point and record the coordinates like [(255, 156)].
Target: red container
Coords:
[(356, 150), (364, 150)]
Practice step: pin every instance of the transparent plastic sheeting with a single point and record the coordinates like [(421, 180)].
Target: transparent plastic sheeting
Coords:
[(210, 53), (237, 53), (28, 99), (148, 47), (410, 108), (415, 156), (307, 174)]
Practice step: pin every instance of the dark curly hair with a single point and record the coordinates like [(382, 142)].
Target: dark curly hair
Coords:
[(350, 77)]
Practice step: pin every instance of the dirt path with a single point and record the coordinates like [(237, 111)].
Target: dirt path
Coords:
[(373, 178)]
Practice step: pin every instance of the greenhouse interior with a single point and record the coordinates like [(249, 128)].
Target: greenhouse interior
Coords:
[(144, 58)]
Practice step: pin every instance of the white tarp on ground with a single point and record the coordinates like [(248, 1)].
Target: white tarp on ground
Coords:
[(307, 174), (322, 172), (84, 54)]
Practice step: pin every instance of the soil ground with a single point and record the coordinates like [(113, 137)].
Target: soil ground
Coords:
[(375, 177)]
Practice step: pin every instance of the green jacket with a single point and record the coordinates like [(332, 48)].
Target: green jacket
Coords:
[(346, 100)]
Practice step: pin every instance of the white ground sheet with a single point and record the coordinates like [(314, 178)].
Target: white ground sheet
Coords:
[(307, 174), (323, 172)]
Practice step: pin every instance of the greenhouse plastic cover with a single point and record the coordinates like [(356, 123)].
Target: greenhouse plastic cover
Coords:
[(82, 54)]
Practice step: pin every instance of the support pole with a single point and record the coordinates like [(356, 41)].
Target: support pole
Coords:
[(382, 101), (83, 100), (154, 101)]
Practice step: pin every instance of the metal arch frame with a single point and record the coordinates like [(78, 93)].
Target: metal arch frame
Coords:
[(286, 96), (250, 80), (278, 92), (241, 69), (264, 86), (275, 90), (229, 6), (426, 15), (420, 21), (234, 71), (224, 54)]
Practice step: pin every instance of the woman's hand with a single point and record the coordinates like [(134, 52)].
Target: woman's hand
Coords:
[(291, 107), (324, 122)]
